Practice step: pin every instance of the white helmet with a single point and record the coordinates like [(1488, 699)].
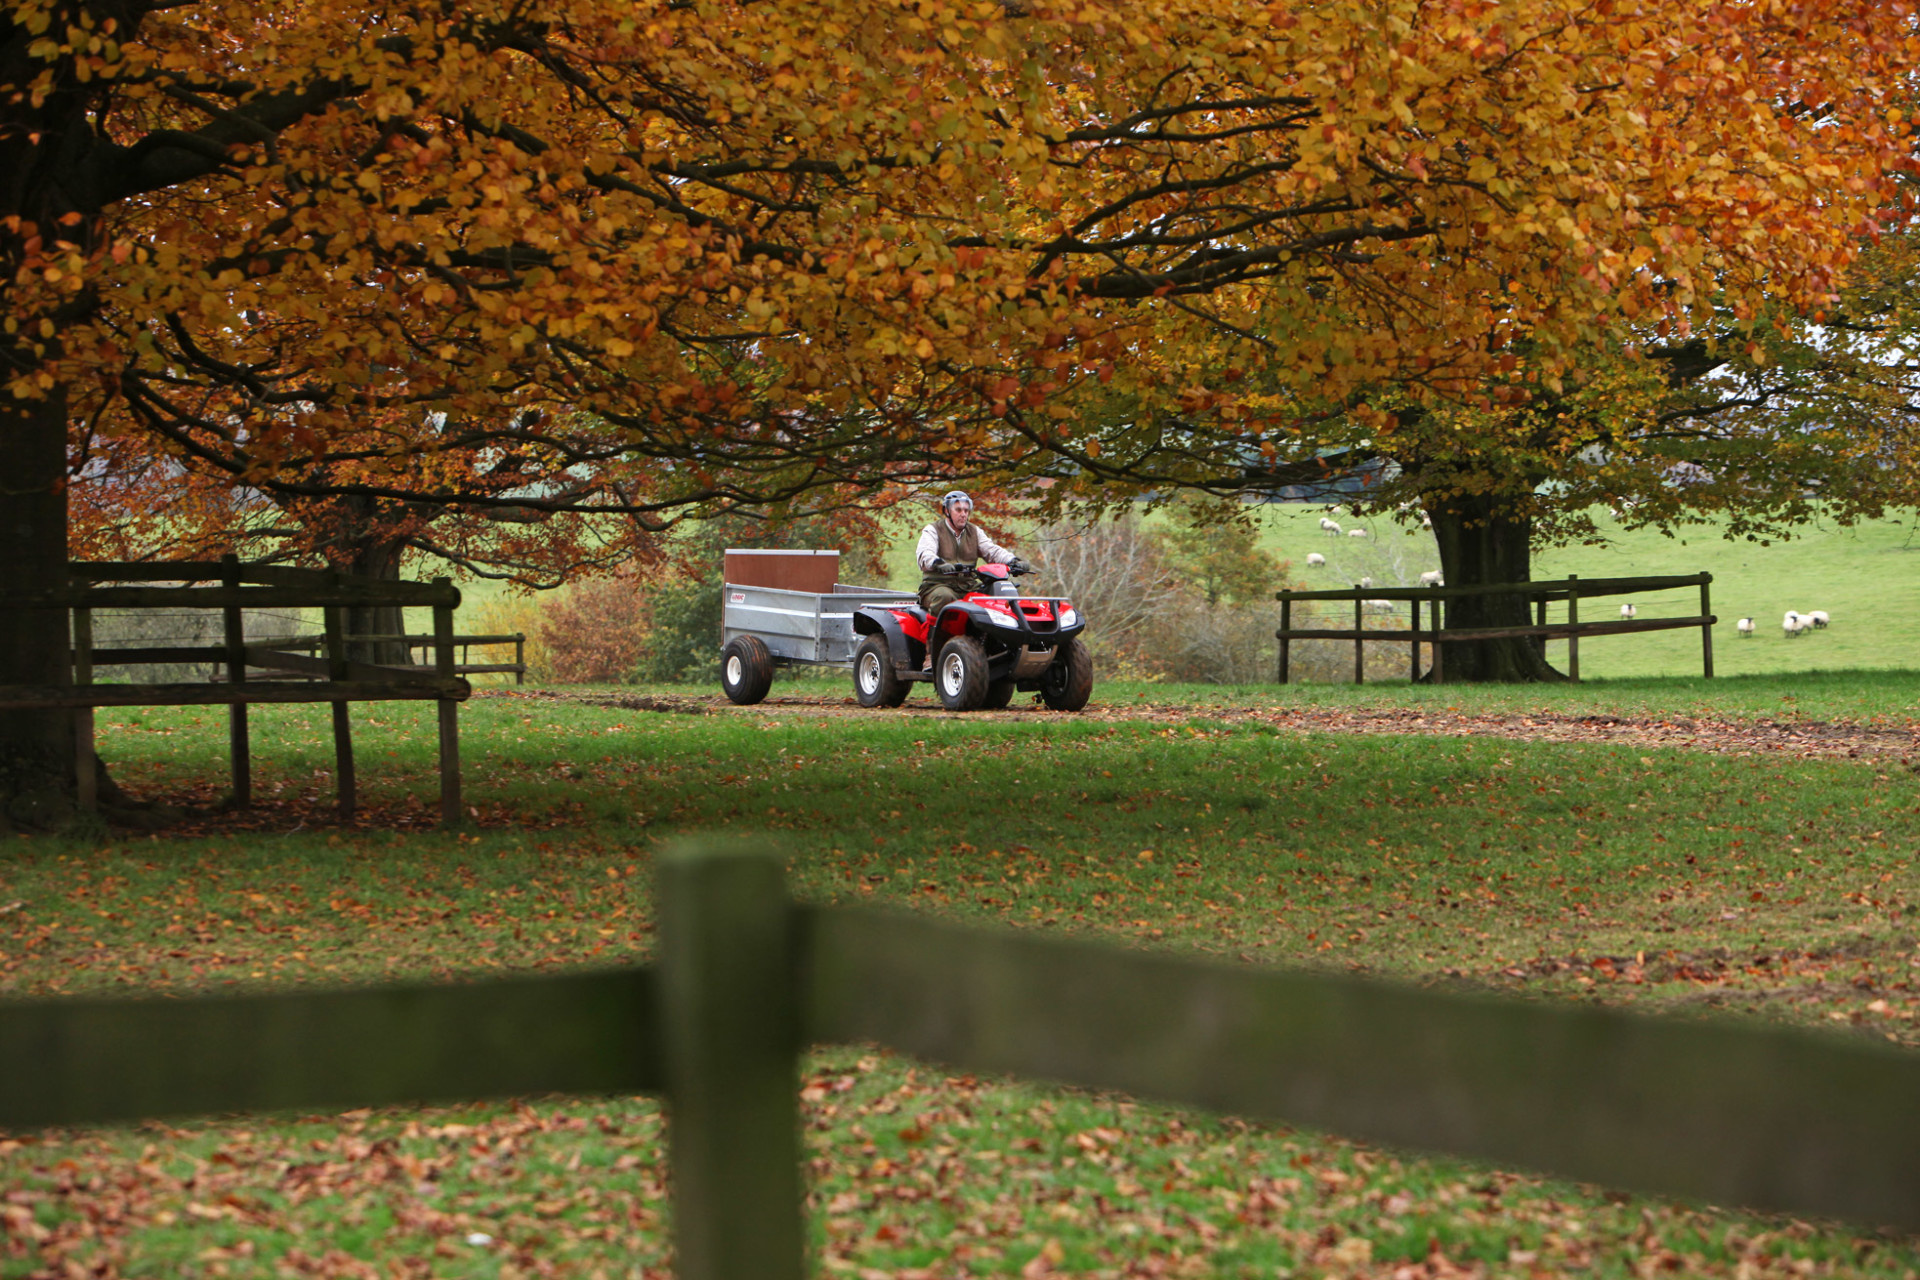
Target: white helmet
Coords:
[(956, 495)]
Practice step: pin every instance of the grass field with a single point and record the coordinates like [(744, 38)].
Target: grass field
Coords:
[(1757, 885), (1867, 577)]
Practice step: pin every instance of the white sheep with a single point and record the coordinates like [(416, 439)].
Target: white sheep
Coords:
[(1366, 583), (1315, 560), (1426, 521), (1356, 533), (1433, 578), (1628, 611), (1744, 626), (1791, 624), (1330, 526), (1819, 618)]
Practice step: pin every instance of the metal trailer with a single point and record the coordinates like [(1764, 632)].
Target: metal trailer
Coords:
[(801, 628)]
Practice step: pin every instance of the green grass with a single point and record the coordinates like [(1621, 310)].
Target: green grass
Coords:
[(1758, 885)]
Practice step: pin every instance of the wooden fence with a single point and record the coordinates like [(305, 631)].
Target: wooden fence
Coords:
[(1570, 591), (464, 667), (337, 679), (1738, 1115)]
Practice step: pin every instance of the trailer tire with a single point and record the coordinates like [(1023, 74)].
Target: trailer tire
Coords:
[(746, 669), (999, 694), (875, 683), (1068, 683), (960, 673)]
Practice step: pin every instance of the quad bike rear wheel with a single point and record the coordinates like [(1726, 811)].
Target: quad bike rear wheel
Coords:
[(875, 684), (746, 669), (960, 674), (1068, 683)]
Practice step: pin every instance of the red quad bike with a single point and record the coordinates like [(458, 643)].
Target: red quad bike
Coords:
[(986, 646)]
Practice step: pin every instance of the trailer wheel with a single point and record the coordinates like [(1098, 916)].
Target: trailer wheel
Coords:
[(746, 670), (875, 683), (960, 674), (1068, 683)]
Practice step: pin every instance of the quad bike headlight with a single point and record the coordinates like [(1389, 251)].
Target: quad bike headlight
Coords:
[(1067, 615), (1002, 618)]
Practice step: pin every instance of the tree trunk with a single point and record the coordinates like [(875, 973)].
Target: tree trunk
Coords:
[(1481, 542), (381, 561), (36, 747)]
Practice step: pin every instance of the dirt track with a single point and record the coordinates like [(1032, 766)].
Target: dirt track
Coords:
[(1801, 738)]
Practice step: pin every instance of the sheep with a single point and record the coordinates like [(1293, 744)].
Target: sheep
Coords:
[(1330, 526), (1356, 533), (1426, 521), (1366, 583), (1315, 560), (1790, 624), (1819, 618), (1628, 611), (1433, 578), (1744, 626)]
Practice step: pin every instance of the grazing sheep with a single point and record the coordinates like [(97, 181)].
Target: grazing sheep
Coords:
[(1315, 560), (1628, 611), (1819, 618), (1744, 626), (1791, 624), (1356, 533), (1330, 526), (1433, 578)]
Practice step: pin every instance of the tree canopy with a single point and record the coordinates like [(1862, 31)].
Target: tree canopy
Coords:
[(516, 261)]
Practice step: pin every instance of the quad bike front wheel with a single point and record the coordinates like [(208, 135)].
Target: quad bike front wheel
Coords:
[(999, 694), (746, 670), (1068, 683), (875, 684), (960, 674)]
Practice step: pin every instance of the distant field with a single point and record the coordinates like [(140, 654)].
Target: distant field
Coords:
[(1867, 577)]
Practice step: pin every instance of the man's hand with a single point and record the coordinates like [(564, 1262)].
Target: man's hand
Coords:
[(1019, 566)]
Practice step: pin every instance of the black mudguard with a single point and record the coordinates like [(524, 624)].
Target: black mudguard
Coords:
[(871, 620)]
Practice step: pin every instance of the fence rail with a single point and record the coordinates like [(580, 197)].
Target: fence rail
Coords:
[(1569, 591), (1739, 1115)]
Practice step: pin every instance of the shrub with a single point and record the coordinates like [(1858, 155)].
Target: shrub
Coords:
[(594, 631), (1118, 574), (683, 643)]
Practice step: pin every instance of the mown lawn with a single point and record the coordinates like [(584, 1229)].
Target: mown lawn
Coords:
[(1735, 885)]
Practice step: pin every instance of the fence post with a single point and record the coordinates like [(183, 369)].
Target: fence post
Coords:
[(1573, 623), (1438, 671), (86, 776), (449, 713), (1359, 645), (1706, 625), (520, 657), (1540, 620), (1286, 625), (730, 1039), (335, 621), (239, 745), (1414, 677)]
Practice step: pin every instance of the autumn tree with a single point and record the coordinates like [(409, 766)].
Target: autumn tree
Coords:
[(693, 256)]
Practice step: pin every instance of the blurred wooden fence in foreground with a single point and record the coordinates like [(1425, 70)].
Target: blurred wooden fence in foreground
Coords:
[(745, 980)]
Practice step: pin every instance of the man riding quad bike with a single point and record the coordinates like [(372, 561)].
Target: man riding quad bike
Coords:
[(975, 636)]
